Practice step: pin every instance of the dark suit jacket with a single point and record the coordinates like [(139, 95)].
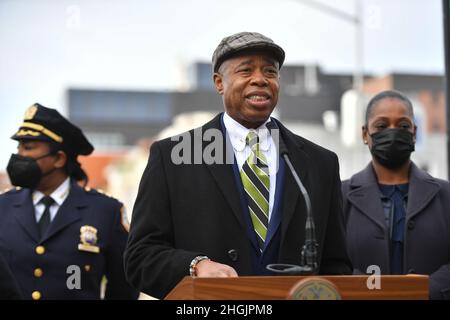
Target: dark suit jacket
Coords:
[(427, 234), (9, 289), (19, 238), (183, 211)]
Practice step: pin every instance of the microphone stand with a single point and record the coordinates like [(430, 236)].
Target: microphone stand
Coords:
[(308, 262)]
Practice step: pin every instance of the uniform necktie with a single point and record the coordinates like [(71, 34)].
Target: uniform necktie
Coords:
[(44, 222), (255, 178)]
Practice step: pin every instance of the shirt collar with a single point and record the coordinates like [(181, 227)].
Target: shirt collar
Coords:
[(388, 190), (237, 133), (59, 195)]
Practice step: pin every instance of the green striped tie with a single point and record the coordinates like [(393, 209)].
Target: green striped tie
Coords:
[(255, 178)]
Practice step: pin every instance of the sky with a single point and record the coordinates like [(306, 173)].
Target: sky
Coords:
[(48, 46)]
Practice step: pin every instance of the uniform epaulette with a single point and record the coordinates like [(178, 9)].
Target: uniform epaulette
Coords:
[(98, 191), (8, 190), (93, 191), (123, 215)]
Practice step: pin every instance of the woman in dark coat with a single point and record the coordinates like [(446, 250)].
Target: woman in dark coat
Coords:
[(397, 216)]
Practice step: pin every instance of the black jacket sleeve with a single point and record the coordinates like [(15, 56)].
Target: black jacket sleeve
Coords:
[(152, 264)]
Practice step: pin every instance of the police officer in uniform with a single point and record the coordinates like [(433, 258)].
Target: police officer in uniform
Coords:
[(61, 241)]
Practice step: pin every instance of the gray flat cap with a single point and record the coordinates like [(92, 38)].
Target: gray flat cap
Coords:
[(245, 41)]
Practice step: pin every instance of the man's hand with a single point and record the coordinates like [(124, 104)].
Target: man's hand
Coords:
[(211, 269)]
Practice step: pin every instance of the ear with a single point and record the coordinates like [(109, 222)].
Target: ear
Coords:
[(61, 159), (218, 82), (365, 134)]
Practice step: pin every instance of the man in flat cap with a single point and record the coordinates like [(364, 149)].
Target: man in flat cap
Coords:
[(58, 238), (233, 218)]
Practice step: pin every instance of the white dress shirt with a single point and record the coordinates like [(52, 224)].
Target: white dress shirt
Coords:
[(238, 133), (59, 195)]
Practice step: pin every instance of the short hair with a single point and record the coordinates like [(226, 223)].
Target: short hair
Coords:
[(391, 94), (221, 68)]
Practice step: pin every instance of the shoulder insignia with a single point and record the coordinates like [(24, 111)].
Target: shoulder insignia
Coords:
[(103, 192), (10, 190), (98, 191), (124, 219)]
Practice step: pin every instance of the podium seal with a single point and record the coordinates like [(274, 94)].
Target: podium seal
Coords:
[(314, 288)]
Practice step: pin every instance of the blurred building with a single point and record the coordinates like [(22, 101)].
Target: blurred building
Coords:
[(95, 165), (427, 90), (113, 119)]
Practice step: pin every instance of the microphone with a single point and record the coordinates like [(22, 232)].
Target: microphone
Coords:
[(308, 262)]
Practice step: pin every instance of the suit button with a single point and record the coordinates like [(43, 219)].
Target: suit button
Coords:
[(36, 295), (411, 224), (233, 254), (411, 271), (38, 272), (87, 268), (40, 250)]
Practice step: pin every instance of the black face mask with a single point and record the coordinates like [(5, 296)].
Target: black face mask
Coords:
[(392, 147), (24, 171)]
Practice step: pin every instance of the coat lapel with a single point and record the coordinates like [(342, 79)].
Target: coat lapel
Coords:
[(422, 189), (68, 213), (24, 213), (223, 173), (224, 176), (364, 195)]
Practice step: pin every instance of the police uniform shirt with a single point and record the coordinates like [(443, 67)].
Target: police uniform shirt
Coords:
[(58, 196)]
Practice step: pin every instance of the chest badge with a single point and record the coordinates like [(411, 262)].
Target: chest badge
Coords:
[(88, 238)]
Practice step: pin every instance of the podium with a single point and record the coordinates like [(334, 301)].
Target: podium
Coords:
[(405, 287)]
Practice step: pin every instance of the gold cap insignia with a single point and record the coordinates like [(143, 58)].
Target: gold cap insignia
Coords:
[(88, 238), (31, 111)]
